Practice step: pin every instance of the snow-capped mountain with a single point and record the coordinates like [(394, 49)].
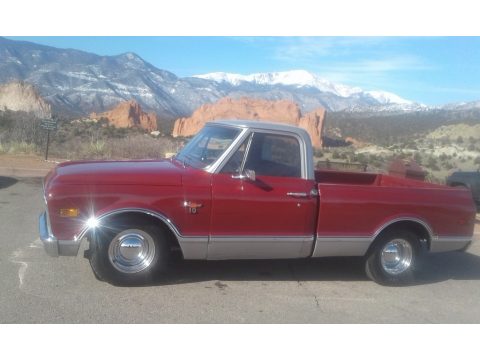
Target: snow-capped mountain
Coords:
[(297, 78), (302, 78), (385, 97), (472, 105), (77, 83)]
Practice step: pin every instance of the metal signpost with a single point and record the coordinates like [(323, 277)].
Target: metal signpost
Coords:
[(49, 125)]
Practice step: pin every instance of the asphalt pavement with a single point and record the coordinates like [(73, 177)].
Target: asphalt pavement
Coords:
[(35, 288)]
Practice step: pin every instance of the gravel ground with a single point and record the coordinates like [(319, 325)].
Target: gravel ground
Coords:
[(25, 165)]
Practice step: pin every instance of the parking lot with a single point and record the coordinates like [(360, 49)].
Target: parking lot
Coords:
[(36, 288)]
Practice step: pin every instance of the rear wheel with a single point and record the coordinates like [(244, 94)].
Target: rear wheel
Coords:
[(394, 258), (132, 255)]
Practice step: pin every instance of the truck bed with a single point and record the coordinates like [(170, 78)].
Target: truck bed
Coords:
[(357, 204), (357, 178)]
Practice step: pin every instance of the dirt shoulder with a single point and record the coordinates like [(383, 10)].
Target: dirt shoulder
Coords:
[(26, 165)]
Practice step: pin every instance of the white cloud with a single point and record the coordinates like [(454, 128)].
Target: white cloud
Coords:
[(372, 70), (362, 61), (294, 49), (455, 90)]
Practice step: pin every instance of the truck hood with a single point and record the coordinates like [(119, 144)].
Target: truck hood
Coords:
[(139, 172)]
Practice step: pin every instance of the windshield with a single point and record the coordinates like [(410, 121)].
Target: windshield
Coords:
[(207, 146)]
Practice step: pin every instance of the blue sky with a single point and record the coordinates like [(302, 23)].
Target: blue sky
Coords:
[(431, 70)]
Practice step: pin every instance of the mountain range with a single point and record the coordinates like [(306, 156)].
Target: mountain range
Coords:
[(304, 79), (77, 83)]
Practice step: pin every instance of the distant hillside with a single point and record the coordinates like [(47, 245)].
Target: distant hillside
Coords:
[(387, 129), (456, 132)]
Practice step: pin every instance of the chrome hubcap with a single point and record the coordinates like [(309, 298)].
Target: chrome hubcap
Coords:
[(396, 256), (131, 251)]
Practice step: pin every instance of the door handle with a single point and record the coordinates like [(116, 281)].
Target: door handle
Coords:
[(297, 194)]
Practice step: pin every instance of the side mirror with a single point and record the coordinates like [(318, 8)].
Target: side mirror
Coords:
[(247, 174)]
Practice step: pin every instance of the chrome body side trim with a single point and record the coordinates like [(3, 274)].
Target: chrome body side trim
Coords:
[(341, 246), (259, 247), (450, 243), (251, 247), (155, 214), (193, 247), (358, 245), (406, 218)]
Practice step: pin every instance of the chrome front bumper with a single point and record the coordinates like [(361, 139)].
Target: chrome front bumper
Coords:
[(50, 243)]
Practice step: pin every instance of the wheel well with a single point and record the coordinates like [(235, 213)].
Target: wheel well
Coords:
[(414, 227), (136, 217)]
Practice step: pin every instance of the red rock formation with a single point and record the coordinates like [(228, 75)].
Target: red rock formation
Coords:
[(282, 111), (313, 123), (129, 114)]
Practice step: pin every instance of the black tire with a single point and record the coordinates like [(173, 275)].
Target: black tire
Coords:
[(103, 263), (381, 268)]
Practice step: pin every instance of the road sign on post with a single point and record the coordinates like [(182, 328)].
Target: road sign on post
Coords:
[(49, 125)]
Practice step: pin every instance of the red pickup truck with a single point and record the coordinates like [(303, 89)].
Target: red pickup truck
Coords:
[(246, 190)]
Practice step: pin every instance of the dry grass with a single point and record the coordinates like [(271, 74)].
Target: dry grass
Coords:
[(18, 147), (20, 133), (135, 146), (140, 146)]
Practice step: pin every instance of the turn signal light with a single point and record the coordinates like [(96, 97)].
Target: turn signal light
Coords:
[(72, 212)]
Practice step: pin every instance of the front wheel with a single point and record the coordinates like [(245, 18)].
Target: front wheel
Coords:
[(131, 256), (394, 258)]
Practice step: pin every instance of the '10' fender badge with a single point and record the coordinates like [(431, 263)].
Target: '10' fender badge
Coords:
[(192, 206)]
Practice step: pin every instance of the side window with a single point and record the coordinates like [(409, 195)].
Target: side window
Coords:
[(235, 162), (274, 155)]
